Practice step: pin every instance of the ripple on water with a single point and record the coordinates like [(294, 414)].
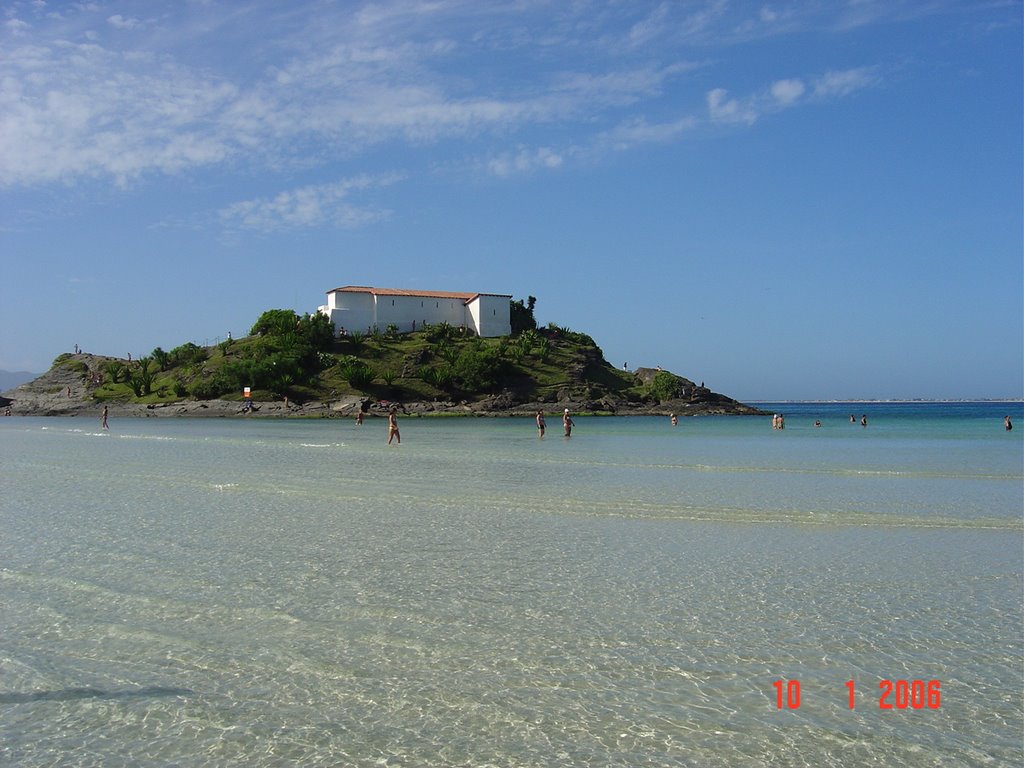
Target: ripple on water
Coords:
[(292, 597)]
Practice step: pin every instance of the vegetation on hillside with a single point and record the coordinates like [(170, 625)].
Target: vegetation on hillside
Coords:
[(301, 358)]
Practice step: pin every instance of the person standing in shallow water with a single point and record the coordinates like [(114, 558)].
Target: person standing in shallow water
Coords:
[(103, 418), (1007, 424), (541, 424), (393, 432), (567, 423)]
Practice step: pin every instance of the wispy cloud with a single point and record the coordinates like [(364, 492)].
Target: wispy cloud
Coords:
[(842, 83), (637, 131), (121, 22), (16, 27), (723, 109), (93, 91), (627, 135), (69, 110), (524, 161), (309, 206), (650, 27), (787, 93)]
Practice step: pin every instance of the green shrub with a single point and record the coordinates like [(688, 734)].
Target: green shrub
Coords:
[(356, 340), (141, 378), (521, 317), (275, 322), (161, 358), (358, 374), (317, 330), (204, 389), (439, 376), (665, 386), (439, 332), (115, 370), (186, 354), (447, 351), (281, 383), (542, 349), (478, 369)]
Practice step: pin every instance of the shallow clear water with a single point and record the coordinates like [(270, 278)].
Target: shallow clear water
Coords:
[(264, 593)]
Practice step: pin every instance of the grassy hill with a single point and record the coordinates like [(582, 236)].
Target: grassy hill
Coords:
[(545, 365), (301, 360)]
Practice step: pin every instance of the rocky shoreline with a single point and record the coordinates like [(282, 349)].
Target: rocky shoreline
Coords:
[(65, 392)]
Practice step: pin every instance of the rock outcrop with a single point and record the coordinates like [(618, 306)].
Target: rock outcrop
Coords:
[(68, 389)]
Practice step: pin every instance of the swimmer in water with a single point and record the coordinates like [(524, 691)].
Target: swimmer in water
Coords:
[(393, 427)]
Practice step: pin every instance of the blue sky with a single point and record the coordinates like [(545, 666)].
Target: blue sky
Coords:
[(784, 200)]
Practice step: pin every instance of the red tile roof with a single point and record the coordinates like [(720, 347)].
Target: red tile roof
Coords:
[(408, 292)]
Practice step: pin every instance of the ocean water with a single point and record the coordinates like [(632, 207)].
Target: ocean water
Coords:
[(230, 592)]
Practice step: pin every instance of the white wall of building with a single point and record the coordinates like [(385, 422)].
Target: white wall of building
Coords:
[(489, 315), (351, 311), (403, 311), (362, 311)]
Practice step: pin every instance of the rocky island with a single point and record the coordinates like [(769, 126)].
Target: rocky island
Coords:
[(293, 366)]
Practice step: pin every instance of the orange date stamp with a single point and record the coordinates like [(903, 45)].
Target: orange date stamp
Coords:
[(893, 694)]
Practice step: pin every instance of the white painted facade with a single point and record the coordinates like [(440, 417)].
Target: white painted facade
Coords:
[(363, 308)]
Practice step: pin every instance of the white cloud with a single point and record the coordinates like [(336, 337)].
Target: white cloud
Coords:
[(639, 131), (859, 13), (786, 92), (844, 82), (16, 27), (525, 161), (310, 206), (120, 22), (701, 21), (722, 109), (650, 27), (275, 84), (71, 110)]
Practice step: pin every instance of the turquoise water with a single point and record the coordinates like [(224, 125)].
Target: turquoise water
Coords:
[(265, 593)]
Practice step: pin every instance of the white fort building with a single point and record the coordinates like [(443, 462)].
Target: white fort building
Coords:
[(362, 309)]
